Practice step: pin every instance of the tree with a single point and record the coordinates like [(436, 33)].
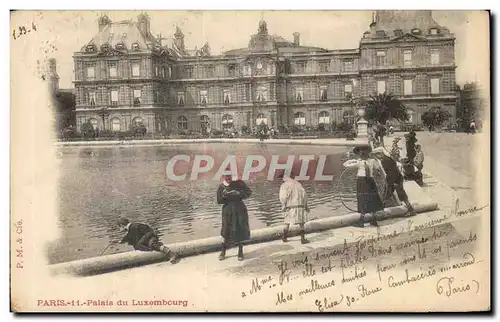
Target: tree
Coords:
[(65, 105), (384, 107), (87, 130), (435, 117)]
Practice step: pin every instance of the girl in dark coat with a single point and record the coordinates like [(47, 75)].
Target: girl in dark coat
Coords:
[(235, 228)]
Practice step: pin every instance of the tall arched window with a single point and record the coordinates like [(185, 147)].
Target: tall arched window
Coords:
[(94, 123), (137, 120), (299, 118), (261, 119), (324, 117), (115, 124), (348, 117), (410, 114), (204, 122), (227, 122), (182, 123)]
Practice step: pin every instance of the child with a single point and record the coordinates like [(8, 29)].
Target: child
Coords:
[(143, 238), (369, 200)]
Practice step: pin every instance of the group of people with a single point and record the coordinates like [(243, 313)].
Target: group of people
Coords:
[(235, 229)]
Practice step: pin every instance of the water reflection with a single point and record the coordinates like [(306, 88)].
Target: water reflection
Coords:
[(97, 185)]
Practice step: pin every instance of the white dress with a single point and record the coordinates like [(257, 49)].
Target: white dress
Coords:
[(293, 198)]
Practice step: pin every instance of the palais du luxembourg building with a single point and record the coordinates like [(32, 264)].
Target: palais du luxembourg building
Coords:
[(138, 78)]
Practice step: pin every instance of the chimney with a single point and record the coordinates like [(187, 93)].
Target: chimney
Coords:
[(179, 38), (103, 22), (296, 39), (143, 22), (52, 74)]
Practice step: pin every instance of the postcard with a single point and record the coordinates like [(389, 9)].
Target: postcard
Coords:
[(250, 161)]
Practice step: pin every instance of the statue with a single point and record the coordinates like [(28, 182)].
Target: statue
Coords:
[(205, 50)]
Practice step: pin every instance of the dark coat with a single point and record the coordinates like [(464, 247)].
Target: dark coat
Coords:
[(234, 226), (139, 234)]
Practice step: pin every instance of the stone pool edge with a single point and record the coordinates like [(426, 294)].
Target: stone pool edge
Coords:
[(120, 261), (326, 142)]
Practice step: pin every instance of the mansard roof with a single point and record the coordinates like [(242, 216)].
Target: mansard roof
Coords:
[(126, 32), (395, 23)]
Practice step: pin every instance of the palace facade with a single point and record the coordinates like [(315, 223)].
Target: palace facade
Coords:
[(126, 76)]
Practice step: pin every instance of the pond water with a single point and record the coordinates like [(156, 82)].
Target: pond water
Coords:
[(98, 185)]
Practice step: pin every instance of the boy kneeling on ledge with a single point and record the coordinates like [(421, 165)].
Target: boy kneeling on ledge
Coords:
[(143, 238)]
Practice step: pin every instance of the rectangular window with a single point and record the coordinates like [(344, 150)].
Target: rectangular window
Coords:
[(203, 97), (113, 70), (407, 57), (231, 70), (300, 67), (380, 58), (114, 97), (157, 71), (434, 56), (180, 99), (91, 72), (261, 95), (299, 95), (210, 71), (348, 66), (434, 85), (92, 99), (270, 69), (323, 66), (136, 70), (347, 89), (272, 91), (247, 70), (408, 87), (227, 96), (188, 71), (380, 87), (137, 96), (156, 97), (247, 92), (323, 95)]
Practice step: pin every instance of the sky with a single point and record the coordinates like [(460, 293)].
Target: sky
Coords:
[(61, 33)]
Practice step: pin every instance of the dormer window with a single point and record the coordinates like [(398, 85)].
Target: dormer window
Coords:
[(105, 47), (398, 33), (380, 33), (416, 31), (120, 46), (433, 31), (90, 48), (135, 46)]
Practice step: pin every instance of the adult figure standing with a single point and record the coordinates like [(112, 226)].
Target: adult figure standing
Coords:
[(293, 198), (411, 140), (367, 194), (235, 228), (394, 177)]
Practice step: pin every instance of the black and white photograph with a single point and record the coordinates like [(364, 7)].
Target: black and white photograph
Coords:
[(250, 161)]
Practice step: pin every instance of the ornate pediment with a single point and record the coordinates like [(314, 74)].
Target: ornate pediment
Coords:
[(408, 37)]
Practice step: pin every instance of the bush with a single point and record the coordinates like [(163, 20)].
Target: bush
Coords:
[(345, 127)]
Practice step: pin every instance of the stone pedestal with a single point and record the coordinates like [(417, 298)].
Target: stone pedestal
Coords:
[(362, 128)]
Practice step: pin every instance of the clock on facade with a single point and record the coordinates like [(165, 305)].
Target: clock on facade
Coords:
[(259, 65)]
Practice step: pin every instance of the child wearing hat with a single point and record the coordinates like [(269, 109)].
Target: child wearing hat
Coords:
[(143, 238)]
